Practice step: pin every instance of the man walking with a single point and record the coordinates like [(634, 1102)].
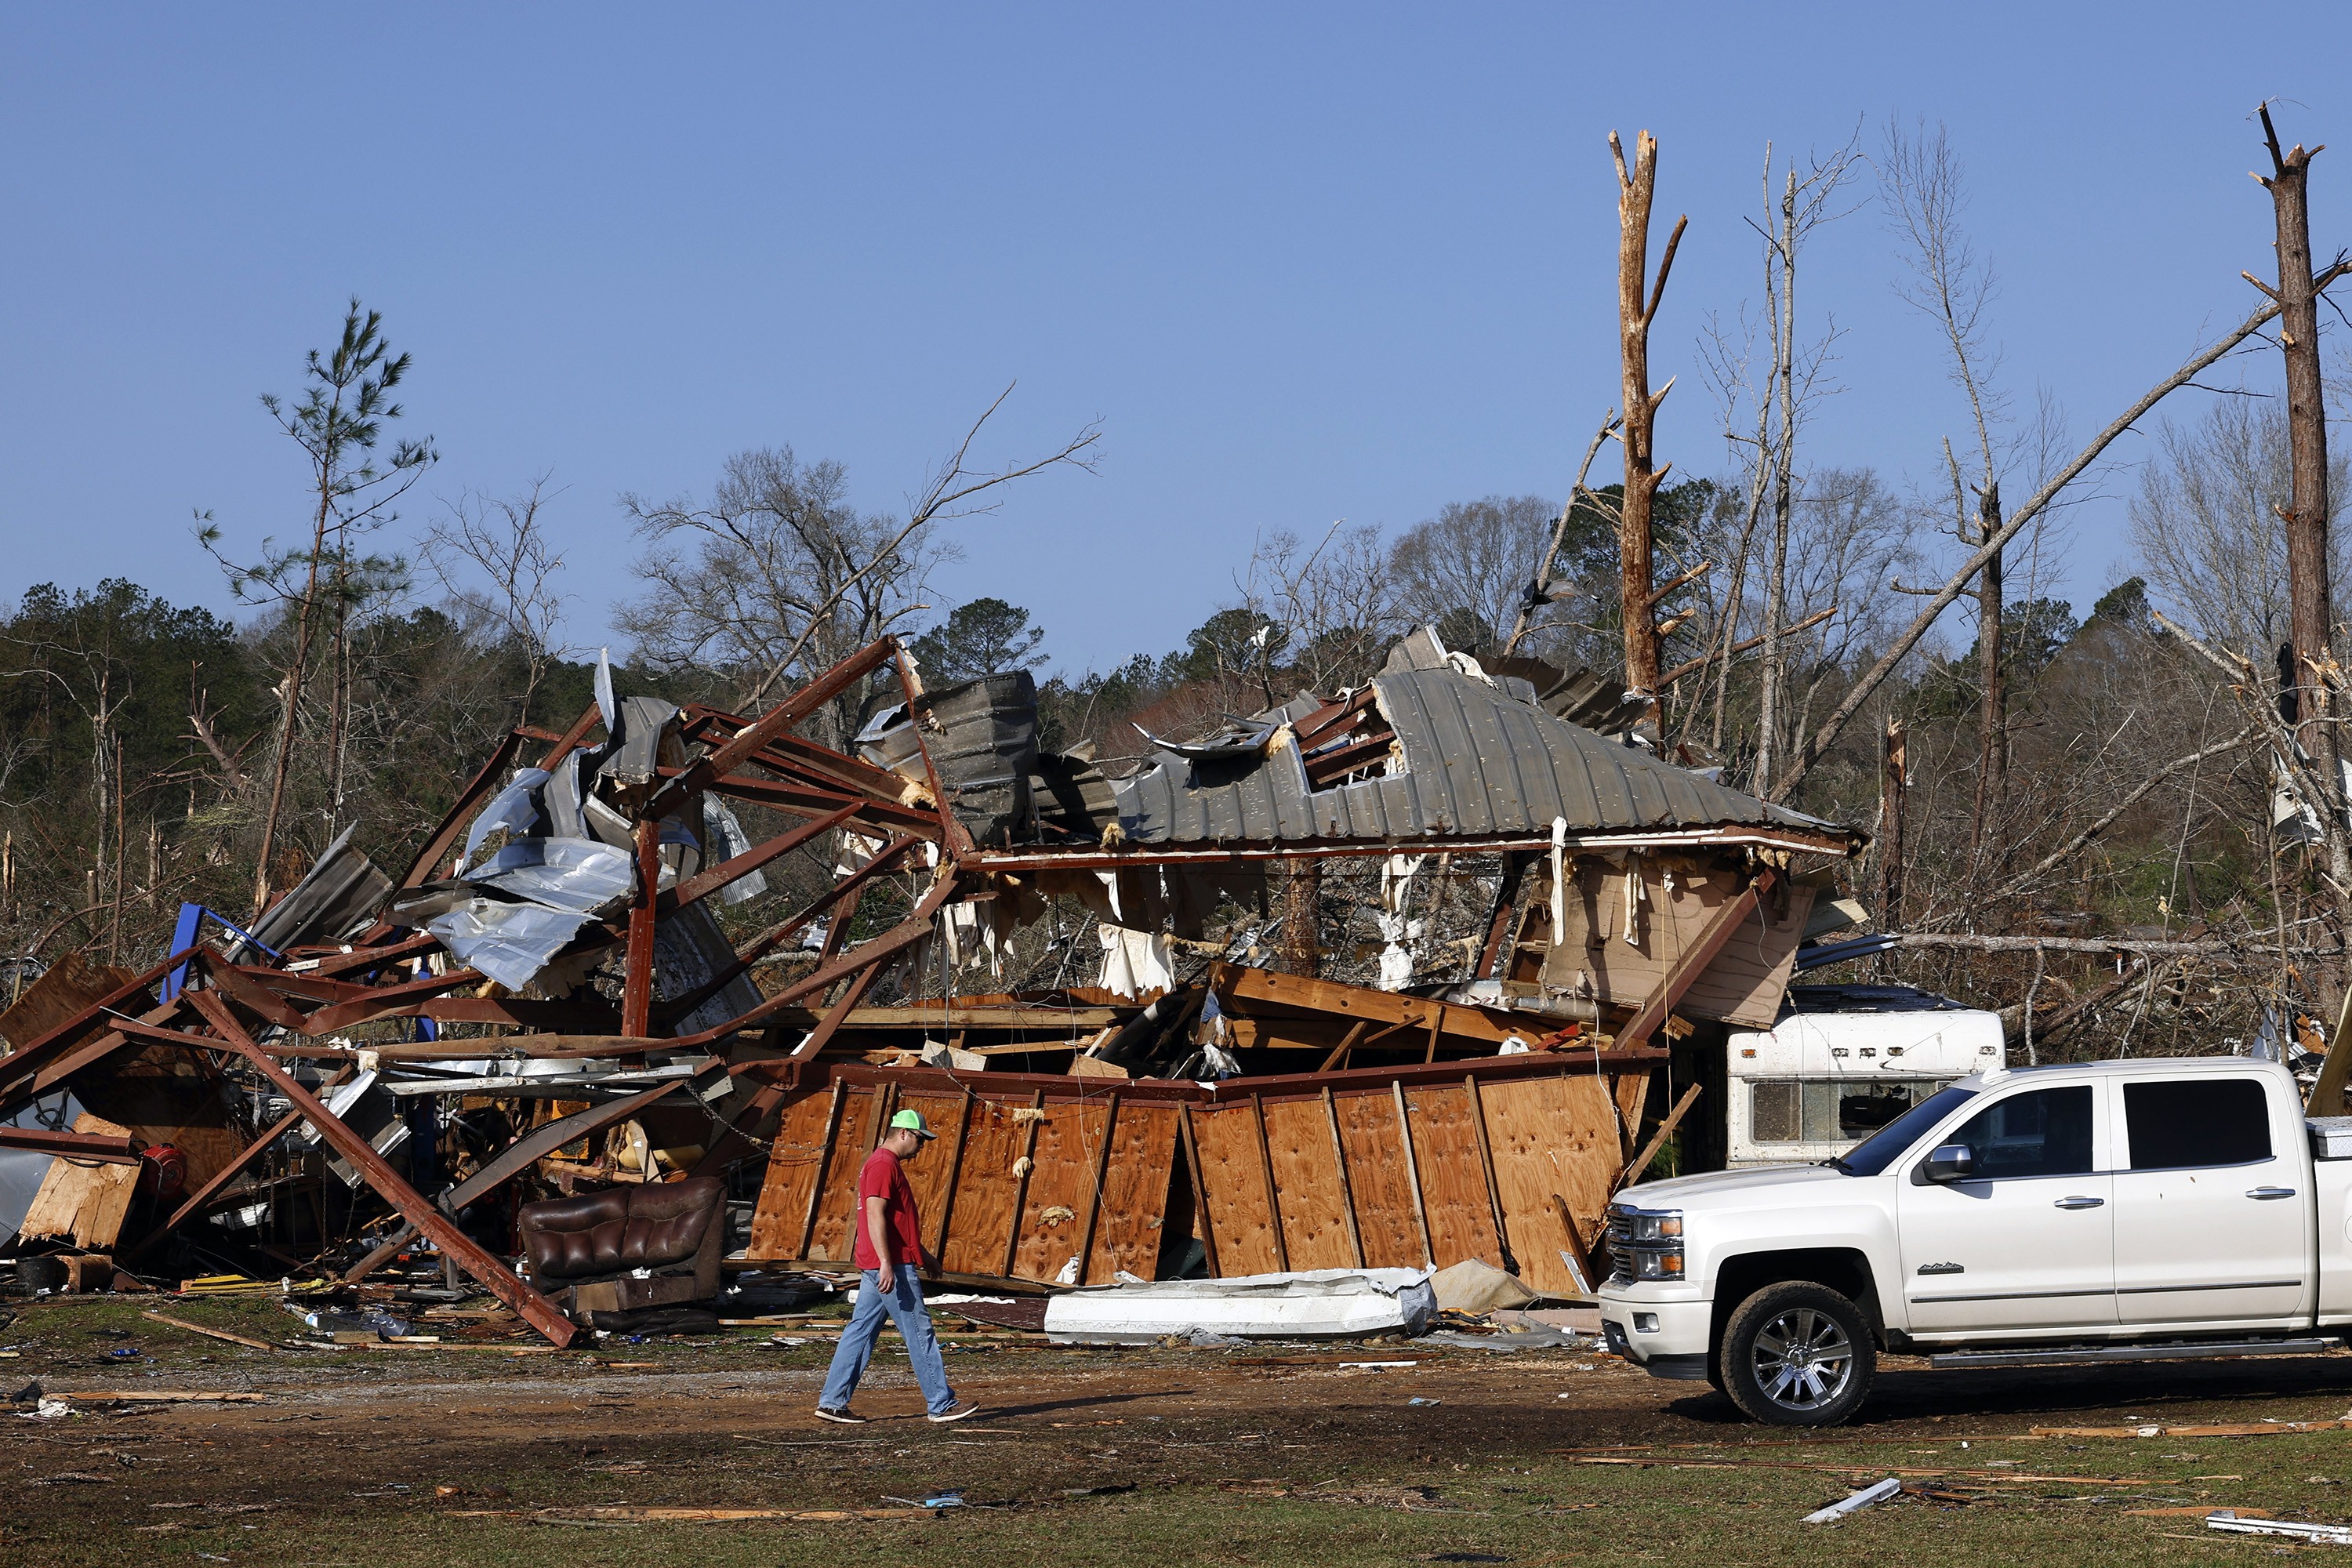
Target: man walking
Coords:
[(888, 1252)]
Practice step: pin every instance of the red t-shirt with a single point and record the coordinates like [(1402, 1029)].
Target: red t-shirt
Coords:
[(881, 1177)]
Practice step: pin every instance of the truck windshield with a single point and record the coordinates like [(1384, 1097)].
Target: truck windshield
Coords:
[(1886, 1146)]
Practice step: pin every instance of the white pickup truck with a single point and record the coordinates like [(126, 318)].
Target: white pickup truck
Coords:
[(2111, 1210)]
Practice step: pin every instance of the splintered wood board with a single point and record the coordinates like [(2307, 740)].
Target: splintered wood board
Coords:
[(1376, 1176), (1135, 1193), (84, 1200), (981, 1222), (1549, 1135), (1452, 1178), (1068, 1152), (1306, 1179), (1241, 1214), (791, 1176)]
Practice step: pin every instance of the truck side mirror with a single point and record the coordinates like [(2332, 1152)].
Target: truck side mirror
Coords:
[(1951, 1162)]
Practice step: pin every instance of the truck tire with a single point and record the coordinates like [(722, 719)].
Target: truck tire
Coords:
[(1798, 1355)]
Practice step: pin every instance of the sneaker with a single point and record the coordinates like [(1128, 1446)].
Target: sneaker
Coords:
[(845, 1416), (956, 1411)]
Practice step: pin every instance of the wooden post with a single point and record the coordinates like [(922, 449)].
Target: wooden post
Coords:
[(1412, 1176), (1272, 1198), (1102, 1171), (437, 1228), (637, 982), (1577, 1257), (1340, 1052), (1347, 1188), (1640, 1161), (1199, 1189)]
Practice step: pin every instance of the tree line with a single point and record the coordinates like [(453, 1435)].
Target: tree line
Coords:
[(2119, 821)]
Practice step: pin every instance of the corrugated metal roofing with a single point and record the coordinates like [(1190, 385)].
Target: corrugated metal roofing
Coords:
[(1477, 763)]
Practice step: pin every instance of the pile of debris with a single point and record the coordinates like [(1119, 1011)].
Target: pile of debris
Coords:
[(375, 1075)]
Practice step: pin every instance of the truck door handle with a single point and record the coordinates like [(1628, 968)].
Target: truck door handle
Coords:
[(2079, 1203), (2270, 1192)]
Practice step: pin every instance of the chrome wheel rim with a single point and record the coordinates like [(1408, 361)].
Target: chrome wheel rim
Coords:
[(1803, 1360)]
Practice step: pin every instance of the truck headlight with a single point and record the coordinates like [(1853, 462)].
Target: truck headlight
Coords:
[(1646, 1244)]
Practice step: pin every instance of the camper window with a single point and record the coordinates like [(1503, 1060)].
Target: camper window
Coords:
[(1829, 1110)]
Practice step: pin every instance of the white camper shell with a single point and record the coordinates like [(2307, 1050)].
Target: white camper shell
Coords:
[(1844, 1061)]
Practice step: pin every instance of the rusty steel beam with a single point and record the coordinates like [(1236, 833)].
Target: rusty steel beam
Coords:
[(23, 1063), (435, 1226), (703, 884), (905, 933), (453, 821), (783, 930), (112, 1149)]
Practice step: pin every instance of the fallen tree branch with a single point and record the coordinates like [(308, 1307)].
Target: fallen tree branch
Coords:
[(2018, 883), (2102, 945), (1817, 745)]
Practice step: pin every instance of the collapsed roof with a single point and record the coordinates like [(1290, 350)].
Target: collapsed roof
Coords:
[(1433, 753)]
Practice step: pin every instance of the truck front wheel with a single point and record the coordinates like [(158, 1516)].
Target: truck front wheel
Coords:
[(1798, 1355)]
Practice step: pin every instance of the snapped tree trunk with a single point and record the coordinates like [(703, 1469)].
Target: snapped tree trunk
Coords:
[(1635, 190), (2308, 607), (1302, 900), (1992, 712), (2310, 616)]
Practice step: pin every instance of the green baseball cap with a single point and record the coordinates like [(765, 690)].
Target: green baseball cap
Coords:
[(911, 1121)]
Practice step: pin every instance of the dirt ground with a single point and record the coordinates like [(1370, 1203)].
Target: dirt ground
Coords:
[(456, 1455)]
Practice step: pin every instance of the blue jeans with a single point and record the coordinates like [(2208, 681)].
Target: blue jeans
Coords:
[(903, 1302)]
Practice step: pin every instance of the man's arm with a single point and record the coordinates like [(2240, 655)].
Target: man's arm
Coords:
[(878, 1232)]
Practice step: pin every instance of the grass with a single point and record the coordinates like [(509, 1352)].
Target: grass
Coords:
[(1259, 1467)]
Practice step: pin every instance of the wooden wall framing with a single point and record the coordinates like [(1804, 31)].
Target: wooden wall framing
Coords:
[(1412, 1167)]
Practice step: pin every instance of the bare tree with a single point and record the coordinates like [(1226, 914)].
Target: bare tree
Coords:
[(2204, 522), (781, 574), (493, 558), (1464, 568), (1924, 191), (1867, 685), (1804, 203)]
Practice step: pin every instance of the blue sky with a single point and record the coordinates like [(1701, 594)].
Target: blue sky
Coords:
[(1304, 262)]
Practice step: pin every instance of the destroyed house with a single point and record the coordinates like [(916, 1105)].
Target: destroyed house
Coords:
[(548, 967)]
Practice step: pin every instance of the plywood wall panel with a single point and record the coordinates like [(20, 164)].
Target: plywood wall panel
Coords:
[(1067, 1153), (981, 1222), (836, 1207), (1307, 1186), (790, 1176), (1129, 1233), (1453, 1177), (1240, 1210), (1549, 1135), (1375, 1175), (927, 1172)]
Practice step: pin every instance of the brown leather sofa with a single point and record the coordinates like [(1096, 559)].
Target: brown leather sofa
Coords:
[(613, 1254)]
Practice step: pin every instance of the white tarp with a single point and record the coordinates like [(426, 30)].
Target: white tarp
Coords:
[(1323, 1304)]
